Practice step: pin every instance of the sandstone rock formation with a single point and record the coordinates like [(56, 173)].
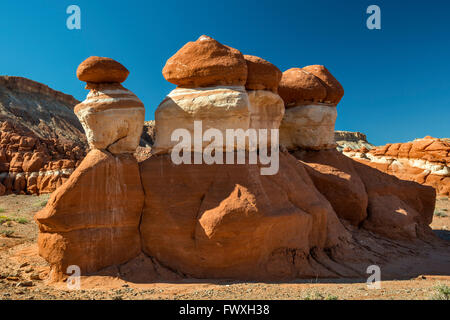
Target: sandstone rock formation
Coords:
[(32, 165), (92, 220), (111, 115), (210, 79), (205, 63), (265, 105), (351, 140), (41, 140), (45, 112), (321, 215), (310, 96), (102, 70), (425, 161)]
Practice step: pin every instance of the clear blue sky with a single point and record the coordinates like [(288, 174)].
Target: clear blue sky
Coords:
[(396, 80)]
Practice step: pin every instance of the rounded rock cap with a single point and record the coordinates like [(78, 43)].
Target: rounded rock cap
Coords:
[(335, 91), (206, 62), (298, 87), (102, 70), (262, 75)]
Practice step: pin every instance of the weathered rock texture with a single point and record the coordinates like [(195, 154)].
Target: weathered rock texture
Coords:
[(112, 117), (425, 161), (92, 220), (216, 107), (205, 63), (102, 70), (41, 140), (211, 80), (42, 110), (351, 140), (321, 215), (265, 105), (310, 96)]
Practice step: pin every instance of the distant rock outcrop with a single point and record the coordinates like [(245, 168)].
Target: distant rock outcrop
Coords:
[(351, 140), (425, 161), (41, 140)]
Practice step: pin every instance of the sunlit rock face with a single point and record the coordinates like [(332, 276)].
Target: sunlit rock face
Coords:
[(111, 115), (92, 220), (220, 108), (425, 161), (309, 127), (112, 118), (265, 105), (310, 96)]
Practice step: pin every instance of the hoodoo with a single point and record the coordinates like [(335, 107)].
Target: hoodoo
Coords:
[(310, 96), (321, 214), (92, 220)]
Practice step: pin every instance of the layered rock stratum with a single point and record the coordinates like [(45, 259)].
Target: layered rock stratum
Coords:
[(351, 140), (322, 214), (425, 161), (41, 139)]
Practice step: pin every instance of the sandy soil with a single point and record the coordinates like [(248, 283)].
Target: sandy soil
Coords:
[(23, 272)]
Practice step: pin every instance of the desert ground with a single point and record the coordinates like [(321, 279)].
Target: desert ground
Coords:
[(23, 272)]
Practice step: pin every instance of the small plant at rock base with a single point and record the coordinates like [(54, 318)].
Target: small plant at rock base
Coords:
[(442, 292), (43, 203), (22, 220), (7, 233), (318, 296), (440, 214), (4, 219), (2, 210)]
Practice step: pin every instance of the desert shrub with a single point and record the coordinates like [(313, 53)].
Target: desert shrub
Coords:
[(440, 214), (441, 292), (4, 219)]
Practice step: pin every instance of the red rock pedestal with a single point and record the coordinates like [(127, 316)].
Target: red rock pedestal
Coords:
[(92, 220)]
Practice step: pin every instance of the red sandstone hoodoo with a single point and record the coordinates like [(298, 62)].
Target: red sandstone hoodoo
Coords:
[(321, 215)]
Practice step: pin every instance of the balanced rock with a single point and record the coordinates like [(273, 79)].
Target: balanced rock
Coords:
[(309, 120), (101, 70), (206, 62), (224, 104), (111, 115)]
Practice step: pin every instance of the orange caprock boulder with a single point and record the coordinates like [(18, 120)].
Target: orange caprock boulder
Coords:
[(310, 96), (204, 63)]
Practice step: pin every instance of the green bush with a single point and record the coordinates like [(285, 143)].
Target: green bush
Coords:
[(442, 292)]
